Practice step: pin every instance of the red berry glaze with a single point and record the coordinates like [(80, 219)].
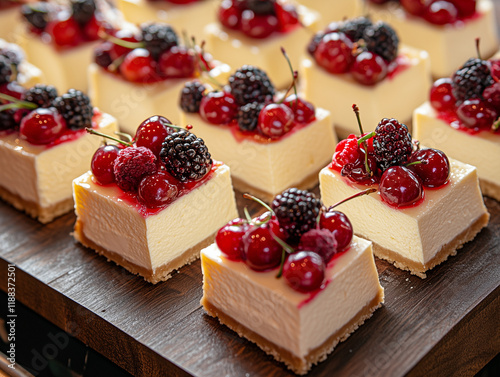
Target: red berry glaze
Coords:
[(42, 126), (400, 187), (157, 190), (152, 132), (340, 226), (218, 107), (437, 169), (275, 120), (304, 271), (103, 162)]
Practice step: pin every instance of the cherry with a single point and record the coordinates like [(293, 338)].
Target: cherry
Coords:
[(492, 95), (42, 126), (437, 169), (91, 28), (303, 111), (258, 26), (441, 13), (102, 164), (260, 249), (125, 35), (65, 31), (218, 107), (466, 8), (178, 62), (229, 14), (304, 271), (415, 7), (356, 171), (320, 241), (369, 68), (152, 132), (12, 89), (229, 238), (157, 190), (495, 68), (399, 187), (275, 120), (340, 226), (287, 16), (441, 95), (474, 113), (334, 53), (139, 66)]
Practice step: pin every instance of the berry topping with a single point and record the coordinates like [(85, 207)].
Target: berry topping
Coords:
[(251, 84), (64, 31), (75, 108), (229, 237), (7, 120), (492, 95), (259, 6), (42, 126), (441, 96), (334, 53), (191, 96), (320, 241), (13, 54), (275, 120), (340, 226), (5, 70), (178, 62), (229, 15), (382, 40), (260, 250), (37, 14), (471, 79), (477, 114), (152, 132), (347, 151), (392, 143), (436, 169), (303, 111), (258, 26), (369, 68), (132, 165), (41, 95), (218, 107), (296, 211), (157, 190), (102, 54), (139, 66), (185, 156), (248, 116), (354, 28), (103, 162), (400, 187), (83, 10), (304, 271), (441, 13), (158, 38)]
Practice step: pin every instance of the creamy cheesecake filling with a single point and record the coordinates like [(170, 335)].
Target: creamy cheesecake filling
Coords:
[(10, 19), (481, 150), (330, 11), (270, 167), (150, 242), (296, 322), (337, 92)]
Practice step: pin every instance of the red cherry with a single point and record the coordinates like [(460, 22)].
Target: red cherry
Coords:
[(157, 190), (65, 31), (152, 132), (400, 187), (258, 26), (139, 66), (340, 226), (260, 250), (42, 126), (441, 96), (495, 68), (178, 62), (492, 96), (415, 7), (441, 13), (218, 107), (356, 171), (320, 241), (334, 53), (229, 14), (369, 68), (91, 29), (466, 8), (102, 164), (303, 111), (229, 238), (287, 16), (475, 113), (275, 120), (304, 271), (125, 35), (12, 89), (437, 169)]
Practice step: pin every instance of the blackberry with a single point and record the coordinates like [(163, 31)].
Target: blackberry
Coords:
[(296, 211), (158, 38), (381, 39), (5, 70), (37, 14), (191, 96), (356, 27), (392, 143), (248, 116), (75, 108), (14, 56), (83, 10), (257, 6), (185, 156), (41, 95), (313, 44), (102, 55), (251, 84), (7, 120), (470, 80)]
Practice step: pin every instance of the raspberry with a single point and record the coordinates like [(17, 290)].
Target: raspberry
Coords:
[(75, 108), (191, 96), (471, 79), (381, 39), (186, 156), (5, 70), (296, 211), (37, 14), (248, 116), (41, 95), (347, 150), (251, 84), (83, 10), (158, 38), (320, 241), (356, 27), (133, 164), (391, 144)]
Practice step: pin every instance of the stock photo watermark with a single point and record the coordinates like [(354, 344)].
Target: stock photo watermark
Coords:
[(11, 316)]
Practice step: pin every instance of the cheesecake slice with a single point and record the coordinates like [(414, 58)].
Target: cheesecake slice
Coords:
[(26, 73), (10, 17)]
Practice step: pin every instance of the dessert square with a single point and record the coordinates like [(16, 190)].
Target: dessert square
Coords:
[(27, 74), (334, 10), (10, 17)]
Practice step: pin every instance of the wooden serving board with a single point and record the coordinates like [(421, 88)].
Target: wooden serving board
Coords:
[(447, 324)]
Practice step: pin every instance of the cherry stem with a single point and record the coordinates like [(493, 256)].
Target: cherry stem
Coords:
[(286, 249), (25, 104), (496, 125), (113, 67), (94, 132), (18, 105), (247, 215), (255, 199), (425, 162), (124, 135), (417, 144), (294, 73), (477, 48), (120, 42), (365, 192), (355, 108), (282, 263), (366, 137)]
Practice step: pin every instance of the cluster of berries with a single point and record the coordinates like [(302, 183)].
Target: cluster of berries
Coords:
[(248, 103), (40, 114), (438, 12), (368, 51), (158, 165), (66, 26), (472, 94), (10, 58), (149, 55), (388, 157), (258, 18), (297, 233)]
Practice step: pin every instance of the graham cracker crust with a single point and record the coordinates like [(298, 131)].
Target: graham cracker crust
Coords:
[(299, 365), (162, 273), (450, 249), (307, 183), (43, 214), (490, 189)]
